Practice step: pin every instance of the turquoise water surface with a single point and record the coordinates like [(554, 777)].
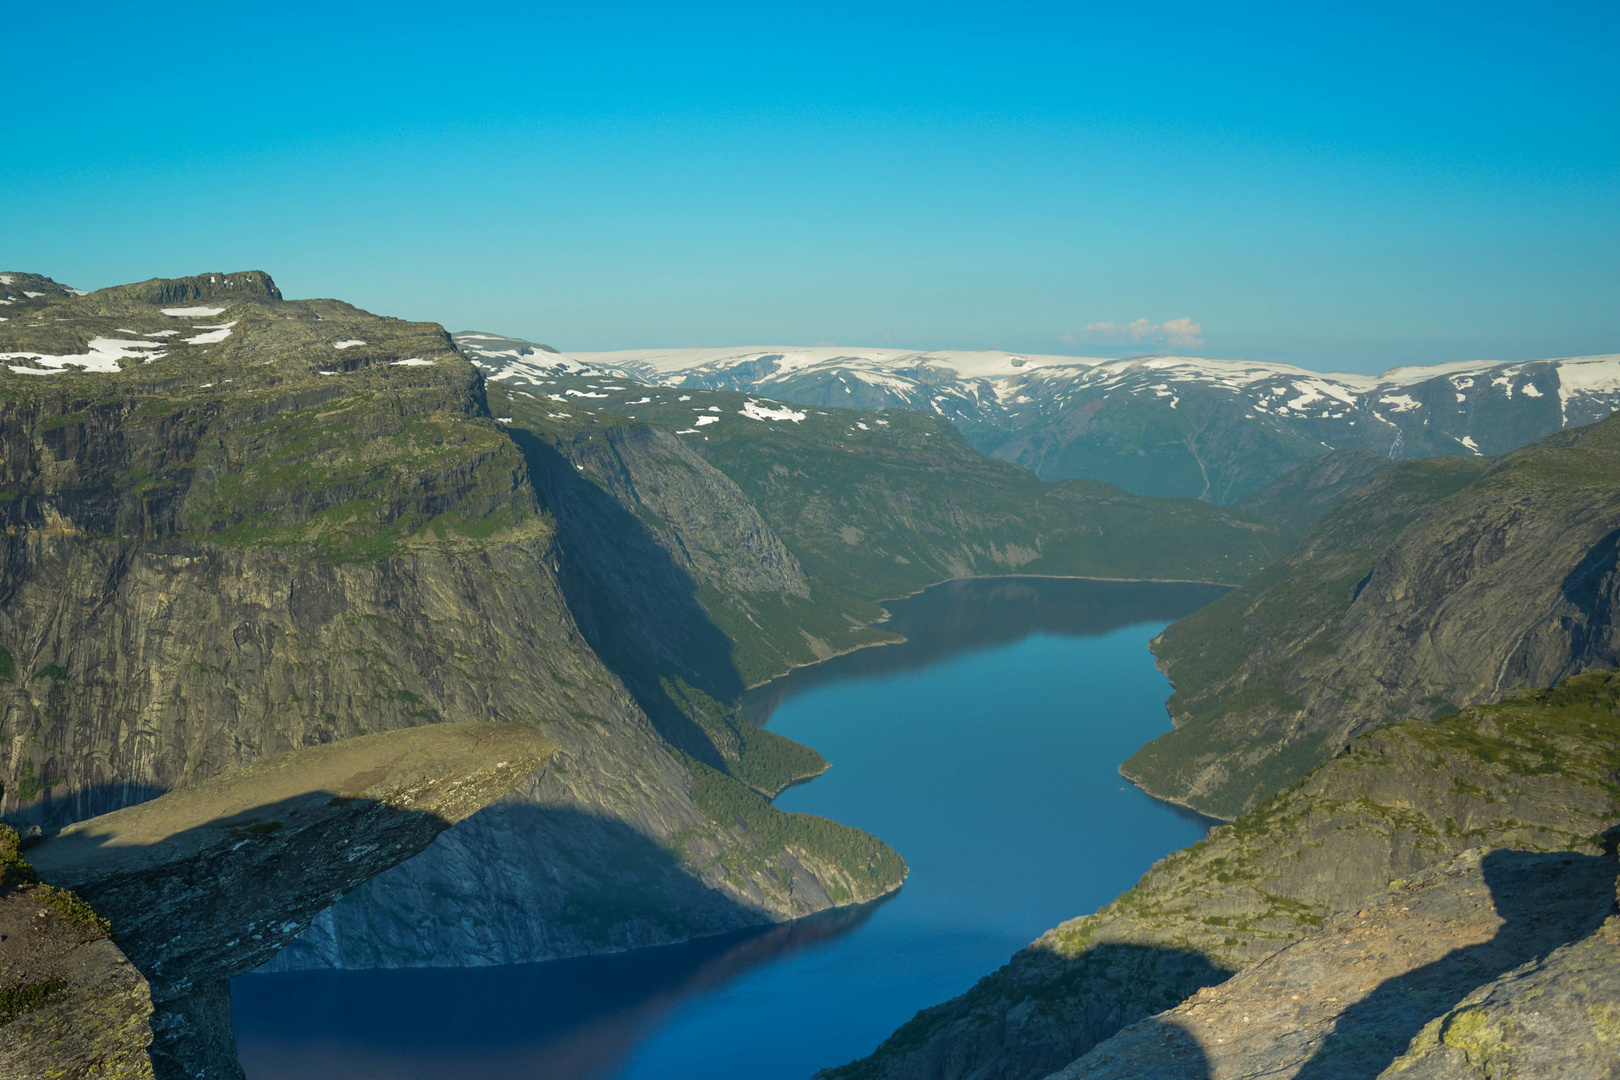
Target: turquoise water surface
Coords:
[(985, 749)]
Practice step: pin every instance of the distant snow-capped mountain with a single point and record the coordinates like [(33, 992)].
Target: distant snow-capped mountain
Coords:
[(1160, 425)]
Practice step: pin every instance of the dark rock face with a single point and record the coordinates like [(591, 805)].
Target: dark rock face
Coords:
[(1346, 1001), (1535, 773), (1437, 585)]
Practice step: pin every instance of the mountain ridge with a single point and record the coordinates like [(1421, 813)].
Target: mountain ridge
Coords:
[(1159, 425)]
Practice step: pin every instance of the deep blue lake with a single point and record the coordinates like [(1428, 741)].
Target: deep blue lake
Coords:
[(984, 748)]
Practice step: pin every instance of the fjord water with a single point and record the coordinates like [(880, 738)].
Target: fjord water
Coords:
[(984, 748)]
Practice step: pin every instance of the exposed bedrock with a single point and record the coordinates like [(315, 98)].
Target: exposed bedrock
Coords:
[(1348, 1000)]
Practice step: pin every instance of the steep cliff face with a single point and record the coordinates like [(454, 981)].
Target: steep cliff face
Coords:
[(1436, 585), (1535, 773), (236, 525)]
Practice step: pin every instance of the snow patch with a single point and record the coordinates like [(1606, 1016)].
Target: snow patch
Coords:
[(214, 335), (191, 312), (700, 421), (348, 344), (102, 355), (755, 411), (414, 361)]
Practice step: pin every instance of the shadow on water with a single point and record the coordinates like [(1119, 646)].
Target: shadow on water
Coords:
[(982, 613), (562, 1020)]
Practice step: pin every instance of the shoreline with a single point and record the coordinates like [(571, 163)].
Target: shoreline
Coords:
[(899, 639)]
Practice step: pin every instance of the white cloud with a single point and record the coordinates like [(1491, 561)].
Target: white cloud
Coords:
[(1177, 333)]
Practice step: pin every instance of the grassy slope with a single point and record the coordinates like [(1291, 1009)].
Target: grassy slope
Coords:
[(881, 504)]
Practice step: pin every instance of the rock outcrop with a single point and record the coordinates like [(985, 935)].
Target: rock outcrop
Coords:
[(1557, 1015), (1437, 585), (1346, 1001), (71, 1003), (209, 881)]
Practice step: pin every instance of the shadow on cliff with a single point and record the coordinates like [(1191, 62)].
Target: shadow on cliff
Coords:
[(592, 883), (182, 904), (1546, 900), (561, 1020), (85, 803), (1594, 588), (1024, 1023), (635, 604)]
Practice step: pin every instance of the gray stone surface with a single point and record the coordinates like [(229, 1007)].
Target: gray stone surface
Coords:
[(1344, 1002)]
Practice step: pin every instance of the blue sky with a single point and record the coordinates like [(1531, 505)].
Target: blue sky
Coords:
[(1351, 187)]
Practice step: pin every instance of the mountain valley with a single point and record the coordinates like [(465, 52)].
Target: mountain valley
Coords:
[(240, 527)]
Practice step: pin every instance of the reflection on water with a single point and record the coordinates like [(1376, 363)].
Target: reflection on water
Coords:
[(980, 613), (563, 1020), (984, 748)]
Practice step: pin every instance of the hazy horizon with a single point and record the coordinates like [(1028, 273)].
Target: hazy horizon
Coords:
[(1352, 188)]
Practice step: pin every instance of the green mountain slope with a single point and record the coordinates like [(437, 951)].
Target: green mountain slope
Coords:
[(878, 505), (236, 524), (1300, 498), (1436, 585), (1535, 773)]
